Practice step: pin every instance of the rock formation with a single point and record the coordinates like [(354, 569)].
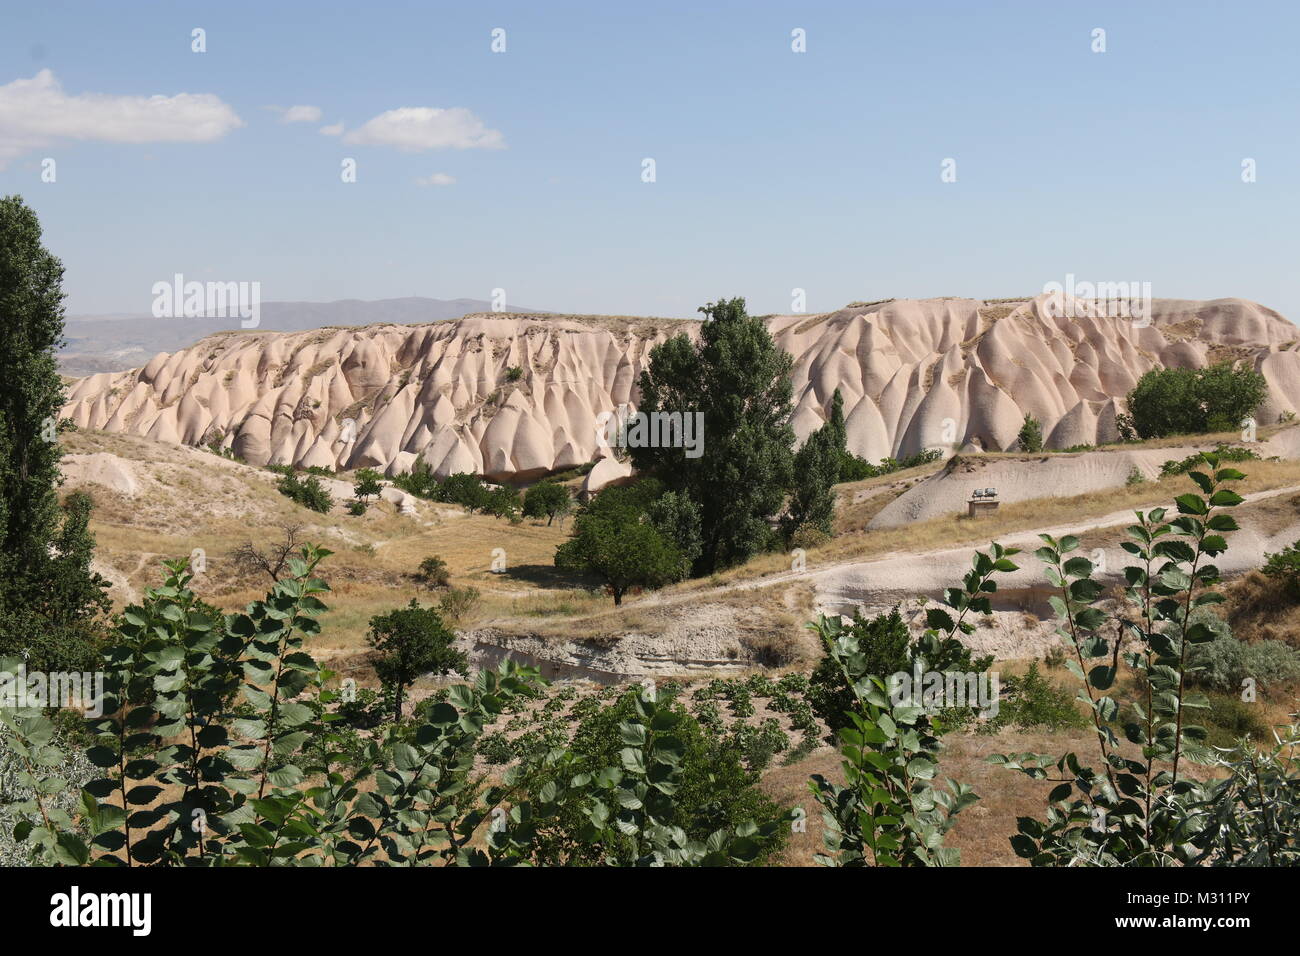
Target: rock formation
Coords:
[(515, 397)]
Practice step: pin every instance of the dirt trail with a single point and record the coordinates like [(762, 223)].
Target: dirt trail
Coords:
[(896, 576)]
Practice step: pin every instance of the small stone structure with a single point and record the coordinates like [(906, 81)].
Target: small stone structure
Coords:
[(983, 501)]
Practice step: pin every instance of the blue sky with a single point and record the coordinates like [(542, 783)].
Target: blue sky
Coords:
[(774, 170)]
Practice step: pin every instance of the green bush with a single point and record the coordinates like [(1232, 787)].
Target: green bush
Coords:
[(433, 572), (1223, 663), (1034, 701), (1285, 567), (1225, 453), (419, 481), (1030, 437), (714, 791), (1181, 401), (307, 492)]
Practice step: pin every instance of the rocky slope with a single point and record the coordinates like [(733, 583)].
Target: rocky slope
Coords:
[(914, 373)]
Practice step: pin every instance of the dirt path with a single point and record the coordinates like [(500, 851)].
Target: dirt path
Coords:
[(887, 578)]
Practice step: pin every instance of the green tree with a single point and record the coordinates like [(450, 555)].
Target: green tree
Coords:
[(50, 601), (613, 540), (368, 484), (547, 499), (739, 379), (677, 519), (410, 642), (1178, 401), (883, 641), (502, 502), (817, 466), (713, 790), (1030, 438)]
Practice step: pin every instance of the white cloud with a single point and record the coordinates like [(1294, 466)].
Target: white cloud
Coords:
[(36, 113), (301, 114), (437, 179), (415, 128), (335, 130)]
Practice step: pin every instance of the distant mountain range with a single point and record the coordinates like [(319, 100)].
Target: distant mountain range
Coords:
[(117, 341)]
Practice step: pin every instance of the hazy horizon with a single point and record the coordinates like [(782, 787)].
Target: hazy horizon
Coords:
[(775, 170)]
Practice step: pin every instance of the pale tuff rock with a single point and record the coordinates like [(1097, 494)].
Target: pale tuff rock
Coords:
[(914, 374)]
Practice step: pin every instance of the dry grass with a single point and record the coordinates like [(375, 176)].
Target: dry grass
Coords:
[(1259, 608)]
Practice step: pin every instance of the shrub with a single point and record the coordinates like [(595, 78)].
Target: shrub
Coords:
[(1135, 477), (307, 492), (1284, 566), (1177, 401), (457, 604), (433, 572), (712, 790), (467, 489), (356, 507), (18, 792), (1033, 701), (514, 373), (419, 481), (806, 536), (883, 643), (1225, 453), (1030, 437)]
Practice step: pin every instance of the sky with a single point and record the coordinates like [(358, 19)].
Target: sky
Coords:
[(774, 170)]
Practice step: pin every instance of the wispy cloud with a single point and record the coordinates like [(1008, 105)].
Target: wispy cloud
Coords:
[(436, 179), (36, 113), (301, 114), (416, 128), (334, 130)]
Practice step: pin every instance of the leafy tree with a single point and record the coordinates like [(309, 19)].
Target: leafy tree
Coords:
[(368, 484), (1030, 437), (410, 642), (467, 489), (419, 481), (889, 812), (1141, 807), (1176, 401), (502, 502), (816, 469), (613, 540), (882, 641), (692, 781), (739, 379), (547, 499), (677, 519), (50, 601)]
